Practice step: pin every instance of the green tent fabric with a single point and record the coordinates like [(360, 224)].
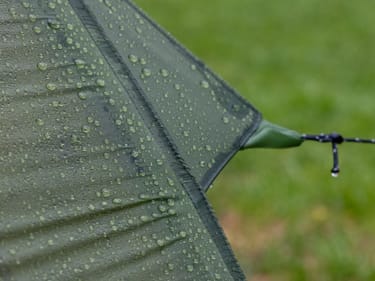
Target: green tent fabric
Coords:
[(110, 134)]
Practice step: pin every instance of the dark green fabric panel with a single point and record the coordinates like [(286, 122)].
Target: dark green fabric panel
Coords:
[(203, 117), (93, 184)]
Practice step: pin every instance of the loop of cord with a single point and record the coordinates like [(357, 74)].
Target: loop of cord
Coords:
[(335, 139)]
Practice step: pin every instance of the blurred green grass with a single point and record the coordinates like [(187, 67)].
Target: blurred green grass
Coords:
[(309, 66)]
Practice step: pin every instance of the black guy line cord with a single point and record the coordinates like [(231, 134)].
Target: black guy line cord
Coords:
[(335, 139)]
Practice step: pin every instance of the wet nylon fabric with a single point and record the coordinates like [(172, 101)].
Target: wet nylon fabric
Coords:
[(109, 130)]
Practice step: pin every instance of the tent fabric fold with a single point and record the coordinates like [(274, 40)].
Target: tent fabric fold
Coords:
[(110, 134)]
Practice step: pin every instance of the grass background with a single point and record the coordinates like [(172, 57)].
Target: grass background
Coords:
[(310, 66)]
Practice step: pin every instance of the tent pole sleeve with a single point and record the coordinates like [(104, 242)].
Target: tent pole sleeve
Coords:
[(269, 135)]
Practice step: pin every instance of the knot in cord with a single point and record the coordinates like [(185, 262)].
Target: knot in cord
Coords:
[(335, 139)]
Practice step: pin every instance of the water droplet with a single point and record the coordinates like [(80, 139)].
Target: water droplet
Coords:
[(106, 192), (190, 268), (42, 66), (112, 101), (32, 17), (164, 72), (82, 95), (100, 82), (170, 266), (146, 72), (79, 63), (144, 218), (225, 120), (170, 182), (69, 41), (52, 5), (12, 251), (142, 61), (133, 58), (51, 86), (171, 202), (144, 196), (40, 122), (37, 29), (86, 129), (205, 84), (135, 153), (54, 24), (335, 174), (117, 201)]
